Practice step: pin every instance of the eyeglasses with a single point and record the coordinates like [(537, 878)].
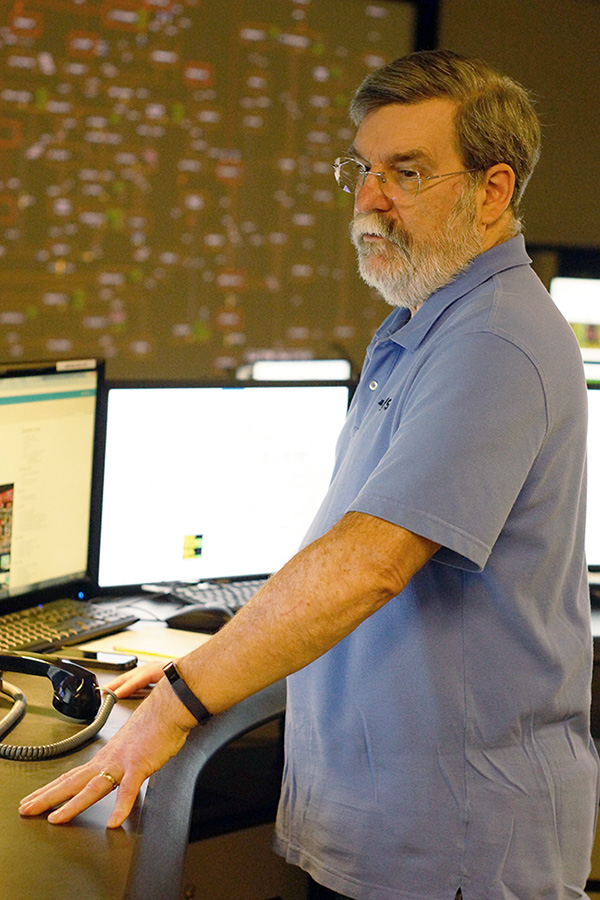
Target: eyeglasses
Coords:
[(350, 175)]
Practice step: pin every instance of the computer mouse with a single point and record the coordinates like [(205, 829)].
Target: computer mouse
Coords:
[(199, 618)]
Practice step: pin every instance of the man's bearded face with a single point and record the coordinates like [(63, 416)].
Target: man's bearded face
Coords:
[(407, 268)]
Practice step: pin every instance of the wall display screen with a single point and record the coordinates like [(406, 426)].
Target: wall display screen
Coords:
[(166, 192)]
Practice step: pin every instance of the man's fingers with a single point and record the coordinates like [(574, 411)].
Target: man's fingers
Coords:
[(81, 787), (126, 797), (96, 788), (62, 788), (131, 683)]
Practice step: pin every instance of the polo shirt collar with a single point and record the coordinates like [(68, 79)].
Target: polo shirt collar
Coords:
[(409, 332)]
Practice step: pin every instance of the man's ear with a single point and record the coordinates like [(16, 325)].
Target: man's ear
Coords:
[(499, 185)]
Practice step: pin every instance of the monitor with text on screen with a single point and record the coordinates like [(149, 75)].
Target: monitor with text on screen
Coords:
[(47, 433), (210, 482)]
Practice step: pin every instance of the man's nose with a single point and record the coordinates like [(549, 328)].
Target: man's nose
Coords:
[(371, 195)]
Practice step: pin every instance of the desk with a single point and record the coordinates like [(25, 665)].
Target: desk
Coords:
[(83, 859)]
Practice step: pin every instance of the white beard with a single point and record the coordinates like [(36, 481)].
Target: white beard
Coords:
[(406, 270)]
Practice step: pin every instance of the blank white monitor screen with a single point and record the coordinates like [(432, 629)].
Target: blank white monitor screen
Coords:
[(47, 426), (211, 482)]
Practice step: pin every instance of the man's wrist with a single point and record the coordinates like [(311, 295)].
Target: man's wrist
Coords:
[(185, 694)]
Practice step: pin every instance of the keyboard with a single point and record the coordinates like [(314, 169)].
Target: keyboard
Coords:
[(229, 595), (59, 624)]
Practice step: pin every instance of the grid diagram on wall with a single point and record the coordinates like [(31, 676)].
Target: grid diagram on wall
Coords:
[(166, 190)]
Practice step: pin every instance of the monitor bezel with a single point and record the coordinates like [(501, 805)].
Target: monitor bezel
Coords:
[(153, 383), (76, 586)]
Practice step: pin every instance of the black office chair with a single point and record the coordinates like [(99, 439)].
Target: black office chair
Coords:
[(158, 862)]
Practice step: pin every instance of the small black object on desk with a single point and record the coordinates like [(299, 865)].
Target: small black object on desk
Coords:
[(199, 618)]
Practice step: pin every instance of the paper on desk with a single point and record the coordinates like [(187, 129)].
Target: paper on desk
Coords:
[(149, 643)]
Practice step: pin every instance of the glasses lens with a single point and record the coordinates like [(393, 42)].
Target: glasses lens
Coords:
[(348, 173), (407, 180)]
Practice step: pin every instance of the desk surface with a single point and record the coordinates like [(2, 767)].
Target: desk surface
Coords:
[(83, 859)]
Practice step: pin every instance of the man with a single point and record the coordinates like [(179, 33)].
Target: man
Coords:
[(437, 618)]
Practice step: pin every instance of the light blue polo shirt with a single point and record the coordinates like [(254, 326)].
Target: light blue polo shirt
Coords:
[(445, 742)]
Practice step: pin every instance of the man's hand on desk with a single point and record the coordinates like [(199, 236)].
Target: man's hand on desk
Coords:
[(319, 597), (155, 732), (136, 681)]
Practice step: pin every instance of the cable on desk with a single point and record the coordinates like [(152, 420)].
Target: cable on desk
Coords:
[(143, 614), (17, 710), (46, 751)]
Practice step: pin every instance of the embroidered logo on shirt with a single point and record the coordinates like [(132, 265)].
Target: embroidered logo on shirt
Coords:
[(384, 404)]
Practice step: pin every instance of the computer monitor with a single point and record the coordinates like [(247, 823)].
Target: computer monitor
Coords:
[(296, 370), (206, 482), (579, 301), (47, 428)]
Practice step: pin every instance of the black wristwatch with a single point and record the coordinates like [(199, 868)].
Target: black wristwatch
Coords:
[(189, 700)]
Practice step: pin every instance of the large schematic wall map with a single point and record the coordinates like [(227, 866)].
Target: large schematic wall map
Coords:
[(166, 190)]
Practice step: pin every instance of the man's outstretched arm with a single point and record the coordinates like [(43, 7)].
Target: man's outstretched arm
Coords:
[(311, 604)]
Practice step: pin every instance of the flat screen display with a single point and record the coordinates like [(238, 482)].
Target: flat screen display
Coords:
[(212, 482), (47, 428), (579, 301)]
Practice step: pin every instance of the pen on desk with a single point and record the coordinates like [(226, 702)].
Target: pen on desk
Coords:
[(142, 653)]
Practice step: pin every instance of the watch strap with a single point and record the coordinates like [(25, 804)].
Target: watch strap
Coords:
[(189, 699)]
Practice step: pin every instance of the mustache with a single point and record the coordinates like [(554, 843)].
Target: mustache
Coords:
[(378, 224)]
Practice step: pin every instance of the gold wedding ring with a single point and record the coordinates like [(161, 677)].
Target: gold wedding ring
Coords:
[(111, 778)]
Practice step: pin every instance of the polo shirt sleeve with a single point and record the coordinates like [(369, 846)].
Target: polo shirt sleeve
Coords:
[(467, 430)]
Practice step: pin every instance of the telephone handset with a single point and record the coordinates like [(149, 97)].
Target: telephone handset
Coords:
[(76, 694)]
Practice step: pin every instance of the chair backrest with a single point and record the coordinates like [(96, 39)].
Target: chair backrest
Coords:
[(158, 862)]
